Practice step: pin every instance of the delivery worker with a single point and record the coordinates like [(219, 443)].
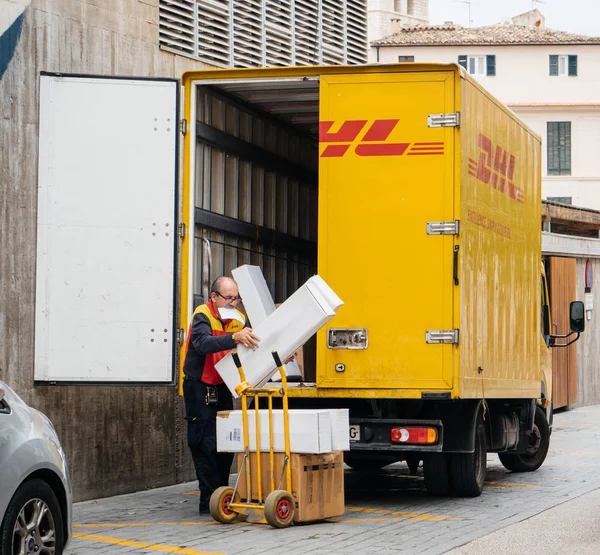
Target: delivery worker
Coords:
[(215, 329)]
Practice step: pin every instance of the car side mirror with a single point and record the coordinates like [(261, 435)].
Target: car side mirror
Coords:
[(577, 316)]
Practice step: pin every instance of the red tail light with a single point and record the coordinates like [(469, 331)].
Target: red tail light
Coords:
[(414, 435)]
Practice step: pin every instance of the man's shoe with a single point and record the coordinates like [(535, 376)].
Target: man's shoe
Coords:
[(204, 510)]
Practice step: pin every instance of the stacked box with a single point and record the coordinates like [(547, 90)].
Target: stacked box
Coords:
[(317, 482)]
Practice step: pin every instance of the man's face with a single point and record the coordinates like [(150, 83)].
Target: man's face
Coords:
[(227, 297)]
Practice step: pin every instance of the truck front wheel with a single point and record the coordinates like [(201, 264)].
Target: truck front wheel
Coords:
[(539, 442)]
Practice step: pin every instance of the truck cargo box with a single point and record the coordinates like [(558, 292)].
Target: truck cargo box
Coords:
[(428, 226)]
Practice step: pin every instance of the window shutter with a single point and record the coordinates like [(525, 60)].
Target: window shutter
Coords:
[(573, 65), (553, 65), (491, 64), (462, 61)]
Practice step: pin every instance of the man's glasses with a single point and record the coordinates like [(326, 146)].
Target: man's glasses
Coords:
[(229, 299)]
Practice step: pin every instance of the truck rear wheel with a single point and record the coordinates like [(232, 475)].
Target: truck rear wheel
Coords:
[(539, 442), (468, 470), (437, 475)]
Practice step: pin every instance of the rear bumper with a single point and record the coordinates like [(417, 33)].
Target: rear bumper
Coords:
[(375, 435)]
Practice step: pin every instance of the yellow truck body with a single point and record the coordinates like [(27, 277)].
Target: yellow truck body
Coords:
[(429, 229), (397, 280)]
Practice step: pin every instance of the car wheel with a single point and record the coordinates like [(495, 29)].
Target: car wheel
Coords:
[(33, 522)]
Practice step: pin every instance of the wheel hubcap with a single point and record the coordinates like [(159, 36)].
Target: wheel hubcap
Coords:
[(34, 532), (225, 506), (534, 441), (283, 508)]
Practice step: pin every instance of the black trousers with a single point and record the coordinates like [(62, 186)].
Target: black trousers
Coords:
[(212, 468)]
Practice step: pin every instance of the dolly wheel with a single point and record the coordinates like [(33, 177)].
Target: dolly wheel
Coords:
[(219, 505), (279, 508)]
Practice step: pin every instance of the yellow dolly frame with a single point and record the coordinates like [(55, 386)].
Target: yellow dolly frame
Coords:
[(279, 506)]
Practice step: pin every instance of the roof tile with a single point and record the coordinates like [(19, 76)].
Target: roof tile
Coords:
[(452, 34)]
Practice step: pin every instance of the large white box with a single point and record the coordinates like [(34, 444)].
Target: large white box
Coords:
[(310, 431), (340, 429), (284, 331), (253, 288), (308, 428)]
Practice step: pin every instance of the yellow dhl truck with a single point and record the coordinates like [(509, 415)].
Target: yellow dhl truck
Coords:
[(429, 219)]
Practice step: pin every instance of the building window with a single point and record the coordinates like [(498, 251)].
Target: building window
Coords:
[(559, 148), (406, 58), (479, 65), (561, 200), (563, 65), (255, 33)]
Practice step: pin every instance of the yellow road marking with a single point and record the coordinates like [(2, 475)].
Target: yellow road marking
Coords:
[(413, 516), (196, 493), (144, 545), (499, 485)]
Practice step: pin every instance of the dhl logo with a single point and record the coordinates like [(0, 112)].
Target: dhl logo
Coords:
[(373, 142), (495, 168)]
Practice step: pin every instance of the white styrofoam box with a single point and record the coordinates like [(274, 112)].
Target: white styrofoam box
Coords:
[(284, 331), (340, 429), (255, 293), (310, 431), (317, 282), (259, 304), (292, 370)]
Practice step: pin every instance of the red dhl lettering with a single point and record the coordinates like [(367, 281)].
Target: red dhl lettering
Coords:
[(496, 167), (372, 143)]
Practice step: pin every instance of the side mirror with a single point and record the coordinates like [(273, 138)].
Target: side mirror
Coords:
[(577, 316)]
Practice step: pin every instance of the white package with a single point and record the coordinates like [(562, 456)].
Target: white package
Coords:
[(255, 293), (284, 331), (310, 431), (340, 429)]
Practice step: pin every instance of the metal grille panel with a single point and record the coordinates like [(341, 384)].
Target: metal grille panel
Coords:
[(255, 33)]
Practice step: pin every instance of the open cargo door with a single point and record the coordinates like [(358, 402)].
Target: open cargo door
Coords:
[(107, 230), (384, 174)]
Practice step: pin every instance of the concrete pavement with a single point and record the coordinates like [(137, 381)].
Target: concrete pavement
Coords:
[(388, 512)]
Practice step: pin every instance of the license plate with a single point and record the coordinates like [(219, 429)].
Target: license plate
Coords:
[(354, 432)]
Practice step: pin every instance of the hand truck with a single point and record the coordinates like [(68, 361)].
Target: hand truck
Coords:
[(279, 506)]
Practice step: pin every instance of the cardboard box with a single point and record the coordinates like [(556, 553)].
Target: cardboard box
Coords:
[(310, 431), (317, 483), (284, 331)]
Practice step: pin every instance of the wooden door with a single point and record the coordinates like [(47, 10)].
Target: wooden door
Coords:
[(564, 359)]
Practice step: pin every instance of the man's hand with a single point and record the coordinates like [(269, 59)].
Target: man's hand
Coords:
[(247, 338)]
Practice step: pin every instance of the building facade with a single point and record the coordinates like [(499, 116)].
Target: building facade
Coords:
[(549, 78), (386, 15), (122, 438)]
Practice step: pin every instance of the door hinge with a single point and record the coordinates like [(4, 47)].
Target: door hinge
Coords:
[(441, 336), (183, 126), (182, 230), (181, 336), (443, 120), (443, 228)]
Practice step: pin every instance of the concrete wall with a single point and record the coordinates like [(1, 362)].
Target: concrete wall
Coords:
[(588, 346), (117, 439), (522, 81)]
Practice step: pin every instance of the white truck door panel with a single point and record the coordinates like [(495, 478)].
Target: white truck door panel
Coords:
[(106, 230)]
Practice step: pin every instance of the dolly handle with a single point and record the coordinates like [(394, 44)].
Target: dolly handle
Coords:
[(277, 359), (236, 359)]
